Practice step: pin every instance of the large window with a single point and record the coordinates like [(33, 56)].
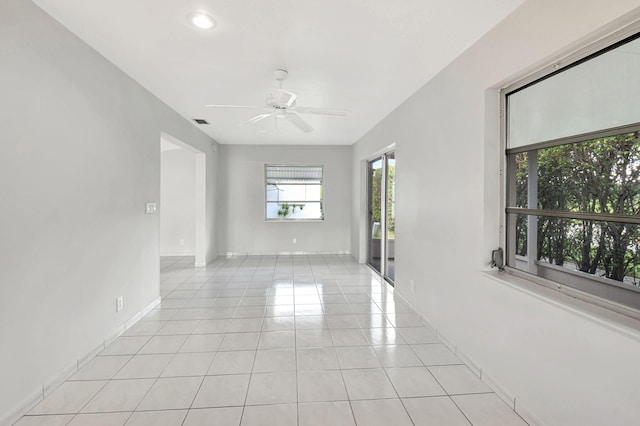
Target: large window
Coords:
[(573, 175), (294, 192)]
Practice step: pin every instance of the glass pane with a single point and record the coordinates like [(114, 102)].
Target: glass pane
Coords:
[(596, 176), (391, 217), (306, 210), (604, 249), (521, 235), (293, 192), (522, 179), (600, 93), (375, 219)]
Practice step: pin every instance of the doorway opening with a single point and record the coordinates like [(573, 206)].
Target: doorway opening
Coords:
[(182, 200), (381, 201)]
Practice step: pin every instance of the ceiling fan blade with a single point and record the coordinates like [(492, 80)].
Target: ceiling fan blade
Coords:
[(286, 99), (322, 111), (234, 106), (297, 121), (258, 118)]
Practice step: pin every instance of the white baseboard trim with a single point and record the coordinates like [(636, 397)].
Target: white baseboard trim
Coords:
[(41, 392), (176, 254), (282, 253)]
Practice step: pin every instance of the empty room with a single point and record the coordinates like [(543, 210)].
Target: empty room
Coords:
[(406, 212)]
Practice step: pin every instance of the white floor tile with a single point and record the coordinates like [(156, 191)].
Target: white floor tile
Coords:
[(212, 326), (458, 379), (119, 395), (243, 325), (337, 413), (416, 335), (240, 341), (171, 393), (279, 324), (162, 345), (222, 391), (272, 388), (413, 382), (224, 416), (277, 340), (69, 397), (349, 337), (101, 368), (157, 418), (50, 420), (311, 322), (202, 343), (380, 412), (368, 384), (177, 327), (487, 410), (232, 362), (357, 357), (316, 386), (317, 359), (435, 354), (435, 411), (189, 364), (397, 356), (126, 345), (313, 338), (144, 366), (268, 415), (383, 336), (100, 419), (274, 360)]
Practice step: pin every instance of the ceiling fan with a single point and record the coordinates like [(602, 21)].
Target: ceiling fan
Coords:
[(283, 105)]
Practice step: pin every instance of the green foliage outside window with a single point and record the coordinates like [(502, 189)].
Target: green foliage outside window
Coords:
[(597, 176), (376, 195)]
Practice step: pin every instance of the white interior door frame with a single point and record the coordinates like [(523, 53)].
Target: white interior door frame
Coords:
[(200, 196)]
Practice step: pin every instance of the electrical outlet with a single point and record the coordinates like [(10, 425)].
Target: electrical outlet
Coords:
[(181, 241), (295, 241), (413, 286), (119, 303), (150, 208)]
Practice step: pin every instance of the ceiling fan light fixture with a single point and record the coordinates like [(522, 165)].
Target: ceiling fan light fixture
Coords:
[(201, 20)]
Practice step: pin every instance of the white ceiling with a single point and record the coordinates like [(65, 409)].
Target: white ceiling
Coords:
[(365, 56)]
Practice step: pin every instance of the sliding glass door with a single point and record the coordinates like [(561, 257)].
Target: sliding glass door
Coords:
[(381, 208)]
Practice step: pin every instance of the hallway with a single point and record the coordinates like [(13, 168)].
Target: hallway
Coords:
[(275, 340)]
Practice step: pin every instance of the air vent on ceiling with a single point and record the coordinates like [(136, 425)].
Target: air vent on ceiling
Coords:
[(200, 121)]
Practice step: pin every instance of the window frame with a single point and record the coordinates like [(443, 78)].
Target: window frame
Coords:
[(607, 293), (295, 219)]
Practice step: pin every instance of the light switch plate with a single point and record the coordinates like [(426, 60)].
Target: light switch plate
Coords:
[(151, 208)]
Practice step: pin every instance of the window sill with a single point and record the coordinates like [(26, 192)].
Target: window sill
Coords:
[(571, 300)]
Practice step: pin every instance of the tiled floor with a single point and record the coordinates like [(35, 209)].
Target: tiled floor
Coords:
[(275, 340)]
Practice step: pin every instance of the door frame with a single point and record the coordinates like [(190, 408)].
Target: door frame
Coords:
[(200, 195), (383, 157)]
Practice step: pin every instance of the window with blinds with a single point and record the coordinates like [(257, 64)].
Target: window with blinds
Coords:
[(294, 192)]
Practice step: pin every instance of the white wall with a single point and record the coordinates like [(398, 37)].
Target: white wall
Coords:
[(178, 203), (241, 205), (558, 366), (79, 157)]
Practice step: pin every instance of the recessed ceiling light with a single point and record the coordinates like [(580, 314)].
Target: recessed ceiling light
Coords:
[(201, 20)]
